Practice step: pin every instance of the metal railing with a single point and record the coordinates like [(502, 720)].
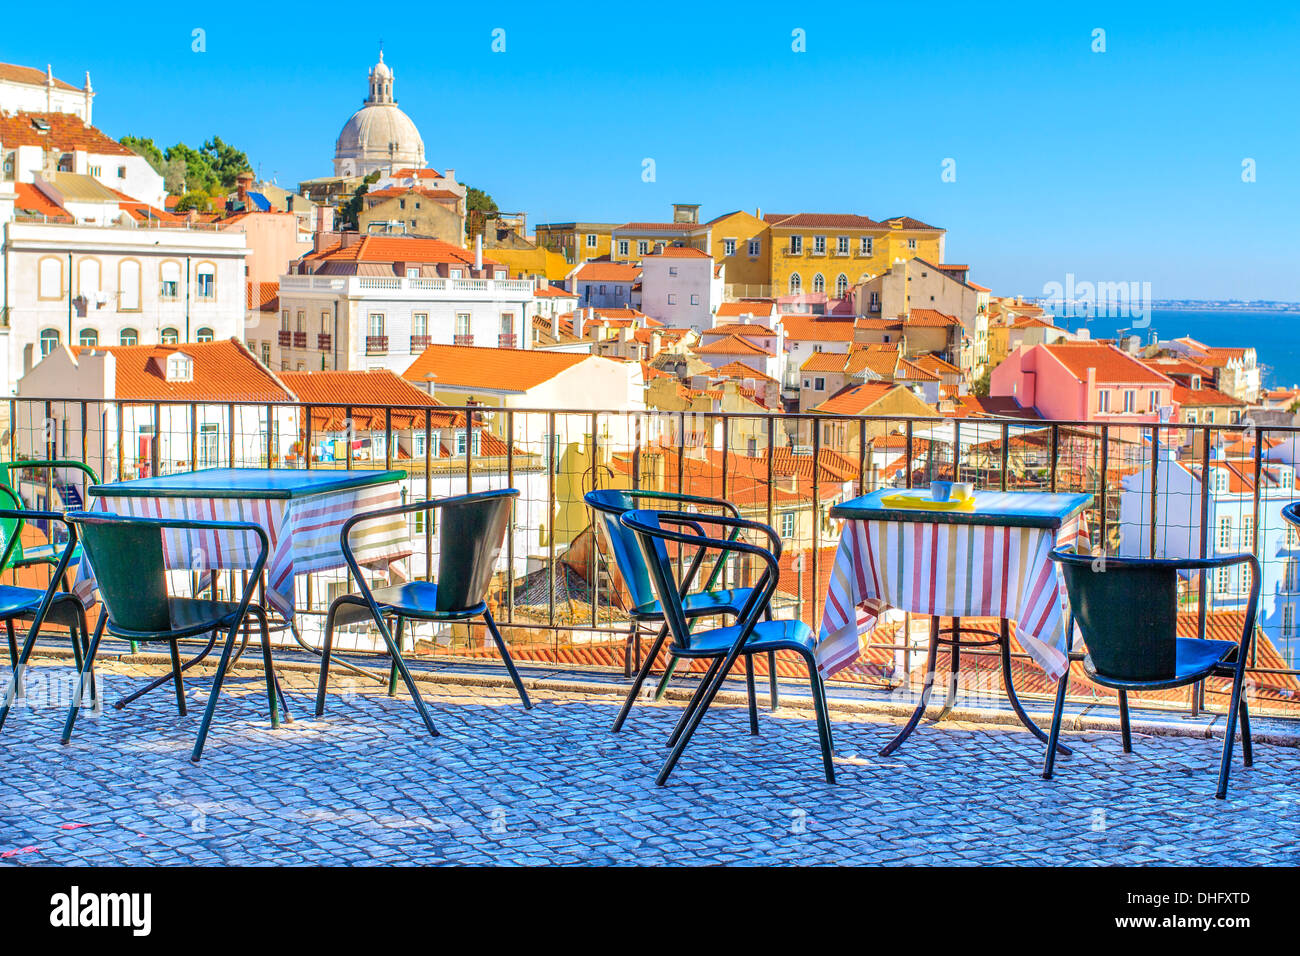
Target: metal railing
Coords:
[(562, 602)]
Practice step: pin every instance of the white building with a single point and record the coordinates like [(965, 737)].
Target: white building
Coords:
[(606, 285), (24, 89), (122, 284), (681, 287)]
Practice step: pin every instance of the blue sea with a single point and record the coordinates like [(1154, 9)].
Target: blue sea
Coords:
[(1275, 335)]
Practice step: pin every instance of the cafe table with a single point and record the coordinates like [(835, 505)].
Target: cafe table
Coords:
[(302, 512), (988, 559)]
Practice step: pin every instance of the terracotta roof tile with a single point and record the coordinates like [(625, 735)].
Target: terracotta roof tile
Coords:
[(66, 132), (223, 372), (607, 272), (1111, 364), (31, 76), (732, 345), (507, 370)]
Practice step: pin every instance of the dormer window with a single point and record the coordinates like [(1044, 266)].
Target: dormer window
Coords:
[(180, 368)]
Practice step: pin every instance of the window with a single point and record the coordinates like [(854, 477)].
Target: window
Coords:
[(796, 284), (755, 247), (911, 243), (842, 245), (284, 320), (623, 247), (672, 270), (787, 524), (50, 281), (819, 284), (169, 336), (672, 298), (88, 277), (204, 334), (1103, 401), (169, 280), (865, 247), (1292, 538), (128, 337), (819, 385), (417, 447), (841, 286), (376, 324), (1224, 537), (209, 441), (205, 281), (796, 245), (266, 354), (728, 247), (420, 323), (460, 442), (695, 299), (1248, 533), (121, 172), (1155, 400), (507, 323), (49, 341), (1289, 575), (128, 286), (302, 321), (1222, 580), (642, 247), (462, 323), (1130, 400), (1288, 620), (591, 240), (88, 338), (819, 245)]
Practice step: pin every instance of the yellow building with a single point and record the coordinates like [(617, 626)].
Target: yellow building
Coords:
[(576, 241), (742, 243), (529, 263), (832, 252)]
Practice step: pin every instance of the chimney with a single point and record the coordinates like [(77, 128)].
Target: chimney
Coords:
[(659, 248), (241, 186), (324, 218), (349, 238), (578, 322), (478, 252), (758, 212)]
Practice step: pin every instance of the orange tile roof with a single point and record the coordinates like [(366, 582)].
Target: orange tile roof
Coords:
[(505, 370), (732, 345), (1205, 396), (930, 318), (31, 76), (680, 252), (933, 363), (66, 132), (657, 227), (825, 362), (31, 201), (399, 249), (412, 173), (977, 287), (741, 329), (1112, 365), (907, 222), (263, 296), (224, 371), (911, 372), (551, 292), (392, 192), (607, 272), (856, 399), (756, 309), (340, 389), (740, 370), (817, 328), (827, 220)]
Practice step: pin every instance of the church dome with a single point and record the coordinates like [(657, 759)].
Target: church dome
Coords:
[(379, 135)]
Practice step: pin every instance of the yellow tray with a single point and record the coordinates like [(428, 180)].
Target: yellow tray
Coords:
[(923, 502)]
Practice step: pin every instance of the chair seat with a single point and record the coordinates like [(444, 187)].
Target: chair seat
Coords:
[(189, 616), (701, 604), (48, 552), (1194, 659), (16, 600), (418, 599), (766, 636)]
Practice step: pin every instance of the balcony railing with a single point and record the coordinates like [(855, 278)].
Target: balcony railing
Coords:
[(507, 340), (563, 603), (376, 344), (284, 337), (463, 339), (300, 340), (419, 343), (323, 341)]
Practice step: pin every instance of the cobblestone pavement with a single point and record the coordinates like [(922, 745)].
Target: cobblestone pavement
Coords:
[(364, 784)]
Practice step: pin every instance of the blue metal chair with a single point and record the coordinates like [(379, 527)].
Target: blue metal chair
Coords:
[(471, 533), (1127, 612), (40, 605), (610, 504), (723, 645), (126, 555)]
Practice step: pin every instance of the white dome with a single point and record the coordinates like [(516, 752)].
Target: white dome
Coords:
[(379, 135)]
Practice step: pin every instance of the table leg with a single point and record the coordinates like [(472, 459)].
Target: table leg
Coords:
[(1005, 644), (927, 682), (954, 667)]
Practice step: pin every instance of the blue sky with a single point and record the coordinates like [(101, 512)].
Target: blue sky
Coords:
[(1117, 166)]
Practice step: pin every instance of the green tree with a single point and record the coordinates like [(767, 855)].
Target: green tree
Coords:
[(193, 200), (225, 161), (147, 149), (980, 387), (350, 210), (478, 205)]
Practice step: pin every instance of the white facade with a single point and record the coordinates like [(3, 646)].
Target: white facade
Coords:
[(385, 321), (126, 172), (681, 291), (26, 91)]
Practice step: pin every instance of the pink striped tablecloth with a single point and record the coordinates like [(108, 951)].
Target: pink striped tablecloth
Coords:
[(303, 534), (974, 570)]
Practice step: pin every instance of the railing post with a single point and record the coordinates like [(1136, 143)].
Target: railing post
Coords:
[(1103, 489), (231, 417), (510, 483), (862, 456), (349, 429), (194, 436), (553, 463), (1255, 521), (306, 437), (1155, 485), (907, 466), (388, 439), (121, 461), (157, 439), (1198, 691), (816, 513), (1056, 454), (595, 552), (1005, 462)]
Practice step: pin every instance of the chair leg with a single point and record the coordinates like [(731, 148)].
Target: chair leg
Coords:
[(402, 669), (1247, 752), (1230, 732), (669, 667), (506, 658), (392, 667), (641, 675), (13, 643), (158, 682), (323, 680), (176, 677), (1058, 712), (751, 694), (87, 669), (720, 669), (272, 685), (823, 719), (217, 680), (1126, 737), (771, 680), (627, 649), (16, 680), (694, 701)]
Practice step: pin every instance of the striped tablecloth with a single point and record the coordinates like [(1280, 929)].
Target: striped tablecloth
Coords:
[(303, 534), (947, 569)]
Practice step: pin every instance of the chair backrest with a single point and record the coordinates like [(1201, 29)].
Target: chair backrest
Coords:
[(127, 557), (471, 532), (609, 504), (11, 529), (72, 494), (1127, 612), (646, 530)]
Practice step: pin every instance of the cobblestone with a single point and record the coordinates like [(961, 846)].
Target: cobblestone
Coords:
[(365, 784)]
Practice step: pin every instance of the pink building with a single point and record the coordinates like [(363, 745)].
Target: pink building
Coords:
[(1084, 381)]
